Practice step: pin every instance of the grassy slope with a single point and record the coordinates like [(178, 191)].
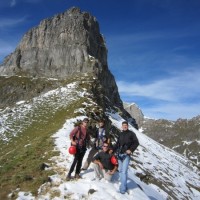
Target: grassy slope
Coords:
[(22, 157)]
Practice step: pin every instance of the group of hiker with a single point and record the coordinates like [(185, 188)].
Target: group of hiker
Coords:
[(102, 153)]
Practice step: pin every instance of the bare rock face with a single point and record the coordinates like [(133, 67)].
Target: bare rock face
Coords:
[(135, 112), (66, 44)]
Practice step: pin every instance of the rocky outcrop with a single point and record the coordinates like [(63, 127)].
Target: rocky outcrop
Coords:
[(135, 112), (66, 44)]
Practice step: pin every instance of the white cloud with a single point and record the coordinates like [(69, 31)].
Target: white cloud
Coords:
[(169, 98), (172, 111), (180, 86), (13, 3), (5, 23)]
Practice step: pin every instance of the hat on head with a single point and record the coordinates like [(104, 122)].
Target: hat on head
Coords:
[(85, 120)]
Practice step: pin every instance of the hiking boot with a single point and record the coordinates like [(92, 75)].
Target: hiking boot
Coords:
[(77, 176), (68, 177), (96, 179)]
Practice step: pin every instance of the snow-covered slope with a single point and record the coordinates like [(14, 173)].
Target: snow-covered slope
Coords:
[(156, 172), (84, 188), (176, 175), (181, 135)]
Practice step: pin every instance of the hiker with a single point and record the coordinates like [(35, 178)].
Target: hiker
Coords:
[(102, 165), (126, 144), (100, 138), (79, 138)]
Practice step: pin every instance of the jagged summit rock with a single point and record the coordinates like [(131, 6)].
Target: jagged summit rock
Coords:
[(60, 46), (65, 45), (135, 112)]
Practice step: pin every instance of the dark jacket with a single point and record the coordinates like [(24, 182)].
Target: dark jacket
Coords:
[(127, 140), (105, 159)]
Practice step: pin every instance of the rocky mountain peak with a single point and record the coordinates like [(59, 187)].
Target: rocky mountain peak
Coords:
[(135, 112), (65, 45), (68, 44), (60, 46)]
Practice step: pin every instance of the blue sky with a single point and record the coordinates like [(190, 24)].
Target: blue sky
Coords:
[(153, 47)]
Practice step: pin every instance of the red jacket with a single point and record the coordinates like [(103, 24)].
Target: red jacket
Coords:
[(80, 136)]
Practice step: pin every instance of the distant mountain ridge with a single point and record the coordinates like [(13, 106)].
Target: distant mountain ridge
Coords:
[(182, 135)]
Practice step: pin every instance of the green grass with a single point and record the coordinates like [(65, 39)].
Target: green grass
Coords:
[(22, 157), (20, 164)]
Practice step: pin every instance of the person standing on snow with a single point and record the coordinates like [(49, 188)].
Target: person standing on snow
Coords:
[(79, 138), (126, 144)]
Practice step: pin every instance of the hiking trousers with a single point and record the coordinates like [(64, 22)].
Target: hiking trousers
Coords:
[(101, 173), (123, 171), (91, 154), (78, 158)]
